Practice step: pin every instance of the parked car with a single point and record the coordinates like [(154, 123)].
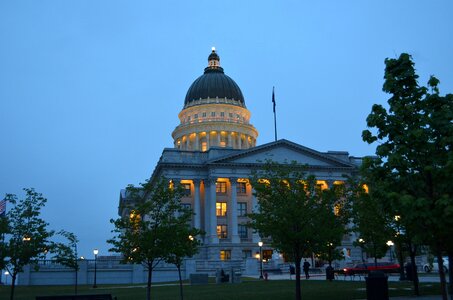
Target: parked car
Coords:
[(435, 266), (387, 267)]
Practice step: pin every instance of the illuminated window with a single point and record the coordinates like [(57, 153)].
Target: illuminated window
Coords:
[(365, 188), (220, 187), (242, 209), (222, 231), (204, 146), (242, 231), (221, 209), (267, 254), (225, 254), (222, 144), (186, 189), (337, 209), (321, 184), (241, 188)]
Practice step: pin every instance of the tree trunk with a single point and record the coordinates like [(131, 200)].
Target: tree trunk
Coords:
[(76, 281), (148, 285), (443, 282), (297, 260), (181, 294), (401, 260), (13, 285), (412, 252)]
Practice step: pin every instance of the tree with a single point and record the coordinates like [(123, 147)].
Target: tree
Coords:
[(25, 237), (292, 212), (415, 137), (183, 243), (148, 235), (371, 221), (66, 253)]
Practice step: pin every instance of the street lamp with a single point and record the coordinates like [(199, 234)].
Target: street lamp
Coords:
[(95, 252), (390, 244), (362, 241), (260, 244)]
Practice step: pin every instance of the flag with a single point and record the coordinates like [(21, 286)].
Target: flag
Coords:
[(2, 207), (273, 99)]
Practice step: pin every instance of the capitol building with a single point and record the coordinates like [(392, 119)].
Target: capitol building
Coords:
[(215, 150)]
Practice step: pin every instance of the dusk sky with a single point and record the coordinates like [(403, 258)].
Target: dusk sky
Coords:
[(90, 91)]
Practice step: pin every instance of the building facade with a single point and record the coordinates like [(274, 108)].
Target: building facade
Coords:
[(215, 152)]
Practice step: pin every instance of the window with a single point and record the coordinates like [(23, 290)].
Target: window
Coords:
[(222, 231), (213, 114), (220, 187), (242, 209), (241, 188), (203, 115), (246, 253), (225, 254), (204, 146), (195, 116), (186, 189), (221, 209), (188, 119), (231, 115), (222, 114), (242, 231), (267, 254)]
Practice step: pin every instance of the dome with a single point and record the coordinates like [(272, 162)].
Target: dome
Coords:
[(214, 84)]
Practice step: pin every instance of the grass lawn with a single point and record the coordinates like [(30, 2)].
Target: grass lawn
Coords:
[(251, 290)]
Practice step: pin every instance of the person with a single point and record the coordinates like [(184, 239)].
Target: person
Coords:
[(306, 268), (292, 271)]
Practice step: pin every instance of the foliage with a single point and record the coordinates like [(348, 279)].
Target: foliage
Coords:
[(150, 233), (294, 211), (372, 221), (414, 155), (66, 253), (25, 237)]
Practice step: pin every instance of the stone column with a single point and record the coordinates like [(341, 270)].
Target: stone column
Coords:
[(233, 212), (230, 141), (255, 206), (238, 139), (247, 144), (218, 138), (211, 213), (196, 204), (197, 142), (208, 142), (187, 142)]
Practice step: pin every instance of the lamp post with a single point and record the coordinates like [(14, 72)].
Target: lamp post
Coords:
[(6, 277), (390, 244), (362, 241), (95, 252), (260, 244)]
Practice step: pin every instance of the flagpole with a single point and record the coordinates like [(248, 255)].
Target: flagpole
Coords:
[(275, 114)]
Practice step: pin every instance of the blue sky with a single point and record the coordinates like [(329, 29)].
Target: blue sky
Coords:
[(90, 91)]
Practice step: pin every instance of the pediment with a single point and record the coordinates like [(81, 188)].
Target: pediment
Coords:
[(283, 151)]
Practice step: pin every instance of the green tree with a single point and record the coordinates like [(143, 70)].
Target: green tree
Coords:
[(372, 222), (25, 236), (292, 212), (415, 136), (183, 243), (147, 236), (66, 253)]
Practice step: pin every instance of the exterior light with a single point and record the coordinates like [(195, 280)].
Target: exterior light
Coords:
[(390, 243), (260, 244), (190, 237), (95, 252)]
